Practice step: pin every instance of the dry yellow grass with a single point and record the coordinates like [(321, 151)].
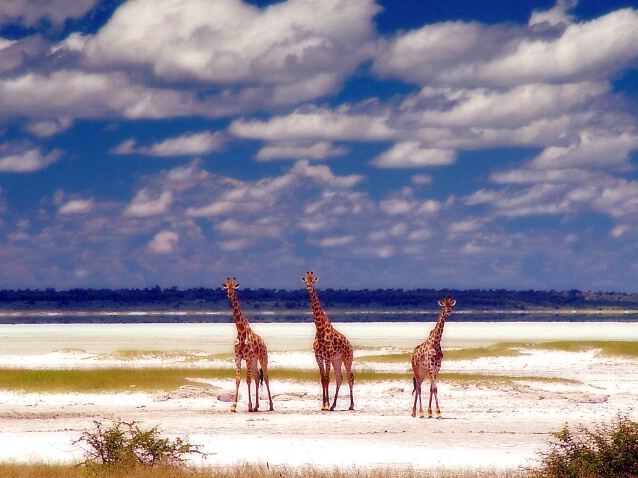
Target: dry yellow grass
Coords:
[(43, 470)]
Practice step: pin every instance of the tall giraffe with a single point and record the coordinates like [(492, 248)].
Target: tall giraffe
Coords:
[(331, 348), (248, 347), (426, 360)]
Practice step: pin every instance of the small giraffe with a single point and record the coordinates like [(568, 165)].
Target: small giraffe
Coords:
[(249, 347), (331, 348), (426, 360)]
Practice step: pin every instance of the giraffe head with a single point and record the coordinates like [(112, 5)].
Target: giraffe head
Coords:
[(230, 286), (447, 303), (309, 279)]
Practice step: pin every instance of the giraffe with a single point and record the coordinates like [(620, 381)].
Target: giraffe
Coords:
[(331, 348), (426, 360), (249, 347)]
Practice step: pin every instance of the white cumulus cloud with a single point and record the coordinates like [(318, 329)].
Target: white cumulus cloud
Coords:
[(458, 53), (144, 204), (554, 16), (320, 150), (28, 161), (164, 242), (288, 44), (183, 145), (77, 206), (55, 11), (315, 123), (413, 155), (49, 127)]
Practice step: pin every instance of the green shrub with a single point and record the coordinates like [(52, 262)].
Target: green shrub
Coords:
[(608, 451), (125, 444)]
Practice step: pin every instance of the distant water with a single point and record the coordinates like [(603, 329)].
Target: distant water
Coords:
[(355, 316)]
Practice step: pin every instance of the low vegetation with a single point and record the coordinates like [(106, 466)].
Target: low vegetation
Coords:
[(124, 446), (610, 450)]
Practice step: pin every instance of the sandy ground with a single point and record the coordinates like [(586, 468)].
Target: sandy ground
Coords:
[(497, 424)]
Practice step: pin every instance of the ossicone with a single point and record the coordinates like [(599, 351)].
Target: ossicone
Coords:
[(310, 277), (230, 283)]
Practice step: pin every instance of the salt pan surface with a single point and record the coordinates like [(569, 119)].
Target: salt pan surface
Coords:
[(499, 423)]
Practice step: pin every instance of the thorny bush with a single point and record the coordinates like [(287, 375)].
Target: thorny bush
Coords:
[(125, 444), (610, 450)]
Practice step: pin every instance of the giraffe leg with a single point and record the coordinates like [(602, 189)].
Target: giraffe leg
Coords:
[(417, 397), (338, 380), (249, 378), (322, 375), (325, 383), (237, 380), (418, 368), (256, 407), (263, 362), (256, 378), (350, 376), (433, 393), (436, 400)]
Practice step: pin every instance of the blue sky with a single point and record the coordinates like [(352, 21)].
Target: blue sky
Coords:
[(381, 144)]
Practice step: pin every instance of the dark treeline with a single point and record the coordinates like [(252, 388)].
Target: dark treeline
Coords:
[(157, 298)]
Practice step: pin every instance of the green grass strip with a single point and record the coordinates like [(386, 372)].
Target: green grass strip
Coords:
[(104, 380), (608, 348), (505, 349), (485, 379), (512, 349), (184, 356), (167, 379)]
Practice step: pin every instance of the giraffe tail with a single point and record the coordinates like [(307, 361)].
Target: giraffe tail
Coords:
[(261, 377), (414, 383)]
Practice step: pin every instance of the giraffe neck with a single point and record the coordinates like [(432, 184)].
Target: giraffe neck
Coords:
[(240, 321), (321, 319), (437, 331)]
